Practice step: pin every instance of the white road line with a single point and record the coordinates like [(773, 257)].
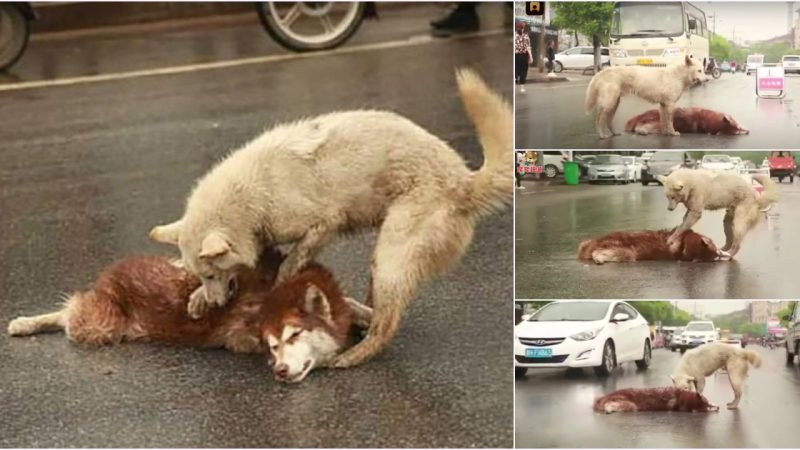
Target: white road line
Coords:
[(410, 42)]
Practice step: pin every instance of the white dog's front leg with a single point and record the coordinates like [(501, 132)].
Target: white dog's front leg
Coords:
[(304, 251), (198, 305), (665, 113)]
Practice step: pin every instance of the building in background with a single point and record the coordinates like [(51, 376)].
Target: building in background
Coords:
[(762, 311)]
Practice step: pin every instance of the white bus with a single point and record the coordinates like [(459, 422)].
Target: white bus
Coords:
[(657, 33)]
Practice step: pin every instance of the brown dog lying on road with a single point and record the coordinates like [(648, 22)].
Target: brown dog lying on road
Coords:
[(687, 120), (627, 246), (303, 322), (654, 399)]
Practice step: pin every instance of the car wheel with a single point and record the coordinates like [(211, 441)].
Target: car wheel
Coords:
[(780, 179), (520, 372), (672, 349), (645, 183), (683, 350), (550, 171), (558, 67), (791, 178), (790, 356), (644, 363), (608, 362)]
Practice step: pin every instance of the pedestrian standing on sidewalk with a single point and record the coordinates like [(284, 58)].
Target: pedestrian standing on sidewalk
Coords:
[(551, 57), (522, 55), (517, 166)]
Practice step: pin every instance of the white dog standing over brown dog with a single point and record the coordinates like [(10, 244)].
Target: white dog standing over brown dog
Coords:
[(703, 361), (701, 190), (307, 182), (661, 85)]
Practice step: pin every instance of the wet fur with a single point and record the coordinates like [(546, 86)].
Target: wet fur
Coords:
[(701, 190), (653, 399), (309, 181), (661, 85), (687, 120), (144, 299), (628, 246), (698, 363)]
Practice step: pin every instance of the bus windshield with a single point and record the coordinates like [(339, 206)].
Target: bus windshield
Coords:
[(647, 19), (755, 59)]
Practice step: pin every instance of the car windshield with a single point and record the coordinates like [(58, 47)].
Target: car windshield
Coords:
[(608, 159), (700, 327), (755, 59), (571, 311), (791, 58), (647, 19), (716, 159)]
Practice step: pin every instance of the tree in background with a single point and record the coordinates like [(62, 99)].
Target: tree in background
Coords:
[(664, 312), (589, 18), (785, 312)]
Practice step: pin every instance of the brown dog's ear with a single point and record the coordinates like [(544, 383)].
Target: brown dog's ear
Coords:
[(708, 242), (214, 245), (167, 234), (316, 302)]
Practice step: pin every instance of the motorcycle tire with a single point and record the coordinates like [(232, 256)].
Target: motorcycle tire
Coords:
[(270, 20), (716, 73), (14, 34)]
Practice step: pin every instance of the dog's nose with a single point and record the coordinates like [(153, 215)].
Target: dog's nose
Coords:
[(281, 371)]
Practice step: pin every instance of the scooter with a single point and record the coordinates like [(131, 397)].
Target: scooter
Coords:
[(15, 18), (311, 26), (713, 69)]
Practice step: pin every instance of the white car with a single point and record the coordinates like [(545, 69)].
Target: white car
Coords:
[(574, 334), (579, 58), (553, 163), (790, 63), (697, 333), (738, 164), (754, 61), (634, 168), (718, 163)]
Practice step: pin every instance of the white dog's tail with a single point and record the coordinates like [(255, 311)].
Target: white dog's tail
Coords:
[(753, 358), (770, 194), (491, 187), (591, 95)]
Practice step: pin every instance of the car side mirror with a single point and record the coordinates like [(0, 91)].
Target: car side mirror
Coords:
[(620, 317), (692, 24)]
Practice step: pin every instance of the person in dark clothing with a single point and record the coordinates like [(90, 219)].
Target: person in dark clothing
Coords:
[(551, 56)]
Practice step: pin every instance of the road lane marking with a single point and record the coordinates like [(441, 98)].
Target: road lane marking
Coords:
[(173, 70)]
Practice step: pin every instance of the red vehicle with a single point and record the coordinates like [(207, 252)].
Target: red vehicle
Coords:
[(781, 165)]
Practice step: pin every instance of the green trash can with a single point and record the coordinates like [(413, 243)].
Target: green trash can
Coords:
[(572, 172)]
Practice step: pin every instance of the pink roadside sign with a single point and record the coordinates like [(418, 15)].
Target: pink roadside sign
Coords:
[(770, 84)]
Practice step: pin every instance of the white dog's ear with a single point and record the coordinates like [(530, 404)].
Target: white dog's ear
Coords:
[(316, 302), (677, 186), (167, 234), (215, 245), (688, 60)]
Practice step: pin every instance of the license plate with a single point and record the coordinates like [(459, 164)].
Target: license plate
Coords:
[(644, 61), (539, 352)]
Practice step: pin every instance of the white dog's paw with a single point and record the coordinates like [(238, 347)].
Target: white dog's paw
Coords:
[(22, 326), (197, 306)]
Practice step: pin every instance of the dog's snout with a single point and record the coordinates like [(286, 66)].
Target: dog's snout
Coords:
[(281, 371)]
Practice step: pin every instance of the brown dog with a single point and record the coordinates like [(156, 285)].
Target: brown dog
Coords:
[(144, 298), (626, 246), (687, 120), (653, 399)]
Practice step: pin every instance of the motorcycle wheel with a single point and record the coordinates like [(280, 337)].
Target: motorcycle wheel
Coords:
[(716, 73), (14, 33), (310, 26)]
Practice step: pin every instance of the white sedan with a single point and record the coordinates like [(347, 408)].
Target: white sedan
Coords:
[(634, 166), (573, 334), (579, 58)]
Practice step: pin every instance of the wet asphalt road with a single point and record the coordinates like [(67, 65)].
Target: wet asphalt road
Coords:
[(86, 170), (554, 408), (552, 220), (552, 116)]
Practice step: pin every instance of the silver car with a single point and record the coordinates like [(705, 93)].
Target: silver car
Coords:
[(609, 168)]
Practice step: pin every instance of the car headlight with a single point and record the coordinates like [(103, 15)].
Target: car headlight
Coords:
[(673, 51), (619, 53), (586, 335)]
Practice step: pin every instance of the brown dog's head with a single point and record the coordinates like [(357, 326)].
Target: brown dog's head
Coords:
[(697, 247), (731, 127), (691, 401)]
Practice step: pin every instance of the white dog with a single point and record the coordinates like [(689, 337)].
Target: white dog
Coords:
[(699, 190), (308, 181), (703, 361), (661, 85)]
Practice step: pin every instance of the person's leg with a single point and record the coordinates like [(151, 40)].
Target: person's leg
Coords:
[(518, 62)]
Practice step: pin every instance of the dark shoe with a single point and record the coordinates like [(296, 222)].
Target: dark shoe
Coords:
[(458, 21)]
